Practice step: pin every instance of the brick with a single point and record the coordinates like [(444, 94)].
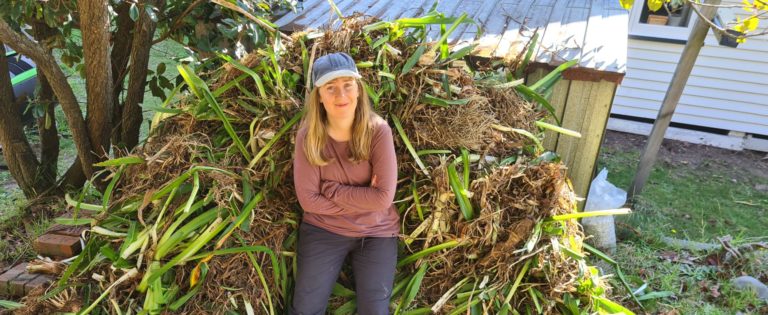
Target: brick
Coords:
[(54, 245), (41, 281), (5, 280), (16, 287), (66, 230), (10, 275)]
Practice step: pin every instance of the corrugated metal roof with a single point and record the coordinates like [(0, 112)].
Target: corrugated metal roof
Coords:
[(594, 31)]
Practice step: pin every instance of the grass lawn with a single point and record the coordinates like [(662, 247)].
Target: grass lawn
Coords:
[(694, 193)]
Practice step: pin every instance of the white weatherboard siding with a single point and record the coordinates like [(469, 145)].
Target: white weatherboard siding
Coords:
[(727, 89)]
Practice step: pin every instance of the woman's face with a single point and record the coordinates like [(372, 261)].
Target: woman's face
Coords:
[(339, 97)]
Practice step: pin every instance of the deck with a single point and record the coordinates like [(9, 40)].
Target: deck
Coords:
[(593, 31)]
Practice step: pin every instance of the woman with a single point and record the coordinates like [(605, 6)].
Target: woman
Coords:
[(345, 173)]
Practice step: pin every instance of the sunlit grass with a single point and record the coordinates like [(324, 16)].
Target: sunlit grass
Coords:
[(692, 202), (697, 203)]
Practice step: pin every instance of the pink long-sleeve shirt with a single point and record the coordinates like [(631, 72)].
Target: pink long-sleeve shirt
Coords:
[(338, 197)]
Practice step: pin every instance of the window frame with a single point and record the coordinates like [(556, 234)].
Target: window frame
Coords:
[(658, 32)]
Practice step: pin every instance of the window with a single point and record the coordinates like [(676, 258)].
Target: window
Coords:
[(670, 23)]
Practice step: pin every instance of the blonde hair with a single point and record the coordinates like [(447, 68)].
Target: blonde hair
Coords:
[(316, 121)]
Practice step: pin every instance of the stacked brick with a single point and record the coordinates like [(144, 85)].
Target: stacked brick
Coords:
[(59, 242)]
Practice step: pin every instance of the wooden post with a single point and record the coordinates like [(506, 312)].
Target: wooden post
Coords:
[(675, 90)]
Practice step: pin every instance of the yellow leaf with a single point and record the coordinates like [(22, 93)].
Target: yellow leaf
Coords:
[(655, 5), (194, 277), (627, 4), (739, 25), (747, 6), (761, 5), (751, 23)]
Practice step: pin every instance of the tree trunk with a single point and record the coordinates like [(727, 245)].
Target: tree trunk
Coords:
[(98, 73), (49, 135), (121, 50), (18, 154), (142, 42), (98, 85), (47, 65), (46, 125)]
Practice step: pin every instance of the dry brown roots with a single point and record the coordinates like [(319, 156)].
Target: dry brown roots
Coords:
[(509, 200)]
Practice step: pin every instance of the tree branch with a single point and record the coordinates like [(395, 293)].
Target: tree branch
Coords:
[(712, 25), (46, 124), (142, 36), (177, 22), (715, 28), (252, 18), (121, 51), (18, 154), (48, 66)]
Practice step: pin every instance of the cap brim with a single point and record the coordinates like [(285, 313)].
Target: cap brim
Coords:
[(328, 77)]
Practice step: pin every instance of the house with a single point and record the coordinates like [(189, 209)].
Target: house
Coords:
[(725, 102)]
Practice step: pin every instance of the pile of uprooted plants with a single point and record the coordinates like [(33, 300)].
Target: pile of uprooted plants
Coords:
[(203, 218)]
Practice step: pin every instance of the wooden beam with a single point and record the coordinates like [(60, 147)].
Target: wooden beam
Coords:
[(580, 74), (587, 107), (675, 90)]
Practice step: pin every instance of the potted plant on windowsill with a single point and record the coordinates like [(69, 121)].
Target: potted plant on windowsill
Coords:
[(658, 19), (655, 15), (678, 11)]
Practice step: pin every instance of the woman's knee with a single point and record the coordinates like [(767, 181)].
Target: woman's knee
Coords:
[(374, 265), (320, 256)]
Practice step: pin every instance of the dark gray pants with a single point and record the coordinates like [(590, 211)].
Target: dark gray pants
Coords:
[(320, 257)]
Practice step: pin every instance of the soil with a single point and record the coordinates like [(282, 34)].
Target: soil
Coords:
[(739, 164)]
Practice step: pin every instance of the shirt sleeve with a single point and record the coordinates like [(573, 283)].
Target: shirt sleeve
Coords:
[(306, 179), (383, 166)]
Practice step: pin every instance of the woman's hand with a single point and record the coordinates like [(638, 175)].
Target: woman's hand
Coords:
[(374, 181)]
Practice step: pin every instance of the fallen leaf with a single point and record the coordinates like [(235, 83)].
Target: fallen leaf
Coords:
[(713, 260), (668, 255), (713, 290)]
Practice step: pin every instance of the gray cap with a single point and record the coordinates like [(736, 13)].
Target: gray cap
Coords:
[(332, 66)]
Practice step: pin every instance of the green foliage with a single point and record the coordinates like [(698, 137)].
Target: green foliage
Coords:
[(10, 305), (204, 30)]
